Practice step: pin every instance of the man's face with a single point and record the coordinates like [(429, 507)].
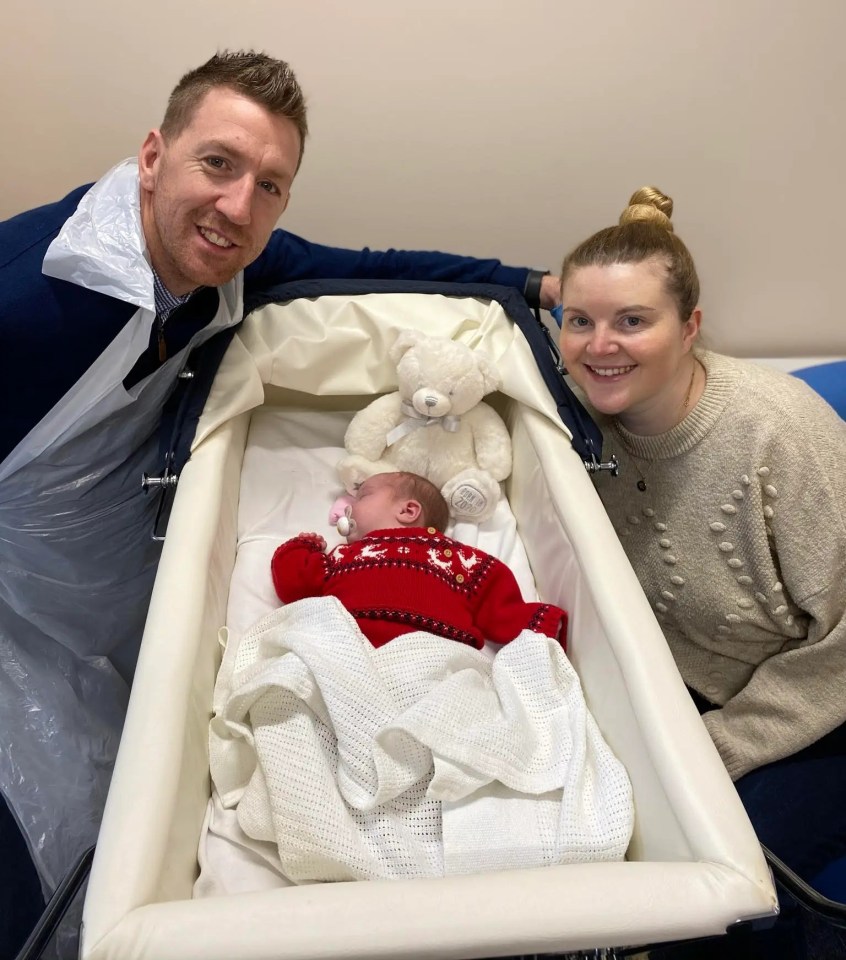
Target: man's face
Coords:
[(211, 196)]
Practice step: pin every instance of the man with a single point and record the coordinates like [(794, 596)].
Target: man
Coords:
[(212, 181), (102, 297)]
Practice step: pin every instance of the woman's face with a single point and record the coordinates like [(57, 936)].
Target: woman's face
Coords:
[(623, 342)]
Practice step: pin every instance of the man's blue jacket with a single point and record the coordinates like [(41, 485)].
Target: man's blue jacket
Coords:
[(52, 330)]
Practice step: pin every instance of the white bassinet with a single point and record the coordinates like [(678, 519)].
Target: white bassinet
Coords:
[(693, 867)]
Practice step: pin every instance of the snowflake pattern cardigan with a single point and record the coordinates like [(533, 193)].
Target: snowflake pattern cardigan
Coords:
[(415, 578)]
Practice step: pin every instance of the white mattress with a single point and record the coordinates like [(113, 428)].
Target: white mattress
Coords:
[(288, 485)]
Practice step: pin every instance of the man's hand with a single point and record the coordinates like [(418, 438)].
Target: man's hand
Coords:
[(550, 292), (313, 540)]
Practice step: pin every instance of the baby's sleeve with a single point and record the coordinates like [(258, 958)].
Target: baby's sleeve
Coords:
[(298, 569), (502, 613)]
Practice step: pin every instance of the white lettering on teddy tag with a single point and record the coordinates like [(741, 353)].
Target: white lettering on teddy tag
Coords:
[(468, 500)]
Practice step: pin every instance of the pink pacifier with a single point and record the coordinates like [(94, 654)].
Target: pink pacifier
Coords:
[(345, 525), (341, 514)]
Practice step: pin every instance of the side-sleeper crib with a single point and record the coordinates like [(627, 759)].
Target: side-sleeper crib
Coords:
[(260, 470)]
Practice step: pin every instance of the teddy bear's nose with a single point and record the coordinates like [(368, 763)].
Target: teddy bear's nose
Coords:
[(430, 402)]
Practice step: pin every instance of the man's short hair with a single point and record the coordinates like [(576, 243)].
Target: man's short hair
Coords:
[(435, 512), (270, 83)]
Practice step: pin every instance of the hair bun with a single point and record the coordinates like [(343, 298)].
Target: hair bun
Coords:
[(651, 206)]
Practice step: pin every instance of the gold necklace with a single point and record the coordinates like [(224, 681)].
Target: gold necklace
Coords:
[(641, 483), (690, 385)]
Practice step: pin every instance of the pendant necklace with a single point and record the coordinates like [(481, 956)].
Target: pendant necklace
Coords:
[(641, 483)]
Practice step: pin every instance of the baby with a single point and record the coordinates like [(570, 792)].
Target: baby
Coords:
[(398, 572)]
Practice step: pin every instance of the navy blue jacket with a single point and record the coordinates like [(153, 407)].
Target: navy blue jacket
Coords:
[(51, 331)]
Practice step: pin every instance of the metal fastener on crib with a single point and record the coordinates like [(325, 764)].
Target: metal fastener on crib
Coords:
[(596, 466), (165, 480)]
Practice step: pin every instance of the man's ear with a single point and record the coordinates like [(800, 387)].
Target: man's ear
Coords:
[(149, 158), (409, 512)]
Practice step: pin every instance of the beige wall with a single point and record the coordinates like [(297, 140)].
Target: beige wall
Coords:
[(495, 127)]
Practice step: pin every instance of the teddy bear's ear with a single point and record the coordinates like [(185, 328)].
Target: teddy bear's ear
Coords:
[(490, 375), (405, 341)]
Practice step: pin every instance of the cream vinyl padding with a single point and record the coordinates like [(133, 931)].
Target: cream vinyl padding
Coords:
[(694, 865)]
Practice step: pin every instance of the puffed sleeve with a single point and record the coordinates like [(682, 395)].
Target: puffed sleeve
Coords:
[(797, 695)]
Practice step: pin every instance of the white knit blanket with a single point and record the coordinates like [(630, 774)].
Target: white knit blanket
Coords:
[(419, 758)]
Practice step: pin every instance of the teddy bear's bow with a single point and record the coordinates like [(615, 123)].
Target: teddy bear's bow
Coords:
[(414, 419)]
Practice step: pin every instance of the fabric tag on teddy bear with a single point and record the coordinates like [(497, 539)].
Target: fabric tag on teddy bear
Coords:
[(467, 500)]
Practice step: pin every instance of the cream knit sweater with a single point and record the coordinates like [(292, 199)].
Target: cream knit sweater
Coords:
[(739, 541)]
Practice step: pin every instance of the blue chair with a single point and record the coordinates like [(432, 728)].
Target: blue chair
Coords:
[(829, 381)]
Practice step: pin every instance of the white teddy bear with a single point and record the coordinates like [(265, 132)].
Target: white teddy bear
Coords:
[(435, 425)]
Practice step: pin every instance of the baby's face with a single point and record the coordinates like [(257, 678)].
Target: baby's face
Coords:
[(376, 507)]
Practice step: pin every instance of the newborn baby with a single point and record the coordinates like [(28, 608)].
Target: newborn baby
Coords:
[(398, 572)]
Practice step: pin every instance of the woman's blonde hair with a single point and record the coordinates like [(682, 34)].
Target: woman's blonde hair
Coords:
[(645, 232)]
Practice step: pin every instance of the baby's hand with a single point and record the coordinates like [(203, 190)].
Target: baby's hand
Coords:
[(313, 539)]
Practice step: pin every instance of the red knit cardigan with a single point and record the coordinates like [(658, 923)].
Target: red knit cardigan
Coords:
[(415, 578)]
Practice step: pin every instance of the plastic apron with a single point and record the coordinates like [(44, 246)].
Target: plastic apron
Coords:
[(76, 553)]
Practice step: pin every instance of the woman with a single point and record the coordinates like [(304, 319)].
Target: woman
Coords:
[(731, 506)]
